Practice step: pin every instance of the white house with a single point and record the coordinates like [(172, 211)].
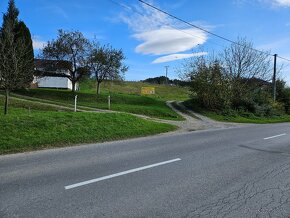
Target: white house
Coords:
[(52, 74)]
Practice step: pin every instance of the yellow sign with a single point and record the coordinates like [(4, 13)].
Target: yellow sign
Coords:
[(148, 90)]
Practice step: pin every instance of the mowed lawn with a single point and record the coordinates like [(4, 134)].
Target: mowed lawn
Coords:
[(131, 103), (44, 127)]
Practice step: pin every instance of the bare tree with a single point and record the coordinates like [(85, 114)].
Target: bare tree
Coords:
[(16, 53), (241, 60), (73, 48), (106, 62)]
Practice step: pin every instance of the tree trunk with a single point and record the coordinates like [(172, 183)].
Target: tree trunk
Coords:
[(73, 86), (98, 88), (6, 102)]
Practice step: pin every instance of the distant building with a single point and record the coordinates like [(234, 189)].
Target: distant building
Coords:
[(52, 74)]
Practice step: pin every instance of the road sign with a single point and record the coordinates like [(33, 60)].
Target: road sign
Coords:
[(148, 90)]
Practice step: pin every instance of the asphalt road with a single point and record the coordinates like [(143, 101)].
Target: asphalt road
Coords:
[(237, 172)]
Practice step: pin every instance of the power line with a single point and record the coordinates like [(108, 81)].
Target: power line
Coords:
[(200, 28), (286, 59)]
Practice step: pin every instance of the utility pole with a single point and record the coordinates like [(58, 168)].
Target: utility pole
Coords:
[(274, 77), (166, 72)]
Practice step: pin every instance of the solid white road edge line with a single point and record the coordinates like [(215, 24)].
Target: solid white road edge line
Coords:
[(120, 174), (275, 136)]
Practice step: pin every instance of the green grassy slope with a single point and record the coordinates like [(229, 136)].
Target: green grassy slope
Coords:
[(22, 132), (46, 127), (15, 104), (131, 103), (163, 92)]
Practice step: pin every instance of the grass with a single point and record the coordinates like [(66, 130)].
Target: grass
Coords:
[(21, 131), (162, 92), (130, 103), (236, 118), (31, 125), (28, 107)]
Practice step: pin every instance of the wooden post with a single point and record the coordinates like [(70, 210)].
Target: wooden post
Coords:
[(109, 102), (76, 98), (6, 102)]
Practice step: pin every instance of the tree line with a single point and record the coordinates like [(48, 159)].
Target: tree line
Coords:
[(237, 80), (78, 56), (165, 80)]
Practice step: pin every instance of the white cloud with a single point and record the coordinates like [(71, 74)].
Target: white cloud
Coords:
[(144, 19), (169, 40), (159, 34), (276, 3), (273, 3), (174, 57), (37, 43), (283, 3)]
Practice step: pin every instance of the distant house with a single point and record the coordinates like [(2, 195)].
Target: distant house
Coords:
[(52, 74)]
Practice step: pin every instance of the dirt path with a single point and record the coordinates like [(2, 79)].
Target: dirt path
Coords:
[(194, 121)]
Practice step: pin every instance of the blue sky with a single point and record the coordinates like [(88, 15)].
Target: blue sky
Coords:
[(151, 40)]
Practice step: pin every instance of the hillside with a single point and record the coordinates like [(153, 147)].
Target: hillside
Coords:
[(125, 97), (163, 92)]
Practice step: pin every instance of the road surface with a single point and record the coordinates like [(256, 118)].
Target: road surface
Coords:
[(236, 172)]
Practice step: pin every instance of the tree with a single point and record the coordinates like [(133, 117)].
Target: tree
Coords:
[(16, 53), (106, 62), (209, 82), (243, 63), (70, 46), (237, 78)]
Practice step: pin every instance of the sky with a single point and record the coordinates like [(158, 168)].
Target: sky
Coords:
[(151, 40)]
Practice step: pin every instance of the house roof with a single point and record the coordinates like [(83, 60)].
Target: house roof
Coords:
[(54, 68), (52, 65)]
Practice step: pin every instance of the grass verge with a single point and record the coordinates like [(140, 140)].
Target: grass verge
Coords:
[(20, 131), (236, 118)]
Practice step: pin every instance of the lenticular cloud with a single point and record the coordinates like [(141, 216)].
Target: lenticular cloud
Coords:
[(168, 40), (160, 35)]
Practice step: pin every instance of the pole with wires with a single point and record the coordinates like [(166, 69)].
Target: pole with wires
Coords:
[(166, 73), (274, 77)]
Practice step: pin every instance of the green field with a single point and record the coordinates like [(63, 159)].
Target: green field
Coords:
[(162, 92), (43, 127), (131, 103)]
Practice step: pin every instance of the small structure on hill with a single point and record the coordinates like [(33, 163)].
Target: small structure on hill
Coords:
[(148, 90), (52, 74)]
